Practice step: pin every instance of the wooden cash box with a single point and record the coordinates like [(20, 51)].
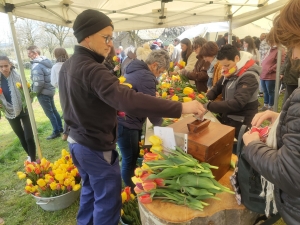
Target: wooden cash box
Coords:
[(208, 142)]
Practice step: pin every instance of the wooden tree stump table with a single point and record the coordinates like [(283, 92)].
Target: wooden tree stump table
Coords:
[(223, 212)]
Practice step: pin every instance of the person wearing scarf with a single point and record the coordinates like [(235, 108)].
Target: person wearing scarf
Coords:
[(239, 88), (10, 100)]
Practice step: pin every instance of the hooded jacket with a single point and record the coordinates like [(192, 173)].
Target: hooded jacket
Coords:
[(41, 76), (239, 95), (281, 166), (142, 80), (90, 96)]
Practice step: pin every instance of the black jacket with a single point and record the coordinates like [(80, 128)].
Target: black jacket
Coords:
[(142, 80), (90, 96), (239, 98), (282, 166)]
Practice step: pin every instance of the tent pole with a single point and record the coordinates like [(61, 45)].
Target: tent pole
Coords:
[(24, 84), (277, 81), (230, 24)]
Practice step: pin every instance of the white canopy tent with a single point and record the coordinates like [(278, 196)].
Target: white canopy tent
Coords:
[(145, 14), (136, 15)]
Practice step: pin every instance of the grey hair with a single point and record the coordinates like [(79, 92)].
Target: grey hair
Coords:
[(161, 57)]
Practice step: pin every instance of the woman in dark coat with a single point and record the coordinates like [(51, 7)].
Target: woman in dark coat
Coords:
[(281, 165)]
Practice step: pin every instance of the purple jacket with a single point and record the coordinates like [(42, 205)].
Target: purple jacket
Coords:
[(142, 80), (269, 64)]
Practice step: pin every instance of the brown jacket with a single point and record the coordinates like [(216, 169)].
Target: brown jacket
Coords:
[(199, 74)]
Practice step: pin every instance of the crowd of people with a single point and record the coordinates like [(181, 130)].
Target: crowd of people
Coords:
[(232, 75)]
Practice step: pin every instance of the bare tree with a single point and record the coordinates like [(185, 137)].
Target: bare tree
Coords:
[(27, 31), (60, 32), (49, 42)]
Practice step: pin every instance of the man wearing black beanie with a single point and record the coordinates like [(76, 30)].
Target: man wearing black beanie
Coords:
[(90, 96)]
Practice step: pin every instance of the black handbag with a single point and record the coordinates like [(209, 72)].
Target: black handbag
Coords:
[(248, 183)]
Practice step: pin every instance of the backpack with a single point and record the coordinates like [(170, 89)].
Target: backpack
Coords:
[(248, 180)]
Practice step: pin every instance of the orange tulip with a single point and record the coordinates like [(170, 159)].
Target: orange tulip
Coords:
[(160, 182), (146, 198), (150, 156), (149, 185), (144, 176), (200, 96)]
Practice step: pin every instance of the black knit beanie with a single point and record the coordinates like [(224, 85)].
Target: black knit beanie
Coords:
[(90, 22)]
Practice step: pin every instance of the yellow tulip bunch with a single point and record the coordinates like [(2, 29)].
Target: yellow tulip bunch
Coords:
[(47, 180), (130, 210)]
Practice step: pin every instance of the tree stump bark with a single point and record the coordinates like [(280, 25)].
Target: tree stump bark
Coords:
[(224, 212)]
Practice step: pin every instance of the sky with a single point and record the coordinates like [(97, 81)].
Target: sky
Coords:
[(4, 27)]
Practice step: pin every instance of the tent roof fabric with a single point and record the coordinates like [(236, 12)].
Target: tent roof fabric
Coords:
[(145, 14)]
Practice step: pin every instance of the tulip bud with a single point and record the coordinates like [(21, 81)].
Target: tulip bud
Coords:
[(146, 198), (149, 185)]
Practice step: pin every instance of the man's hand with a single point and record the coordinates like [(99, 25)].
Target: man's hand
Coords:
[(259, 118), (247, 137), (194, 107)]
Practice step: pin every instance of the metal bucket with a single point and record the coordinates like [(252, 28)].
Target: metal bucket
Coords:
[(57, 202)]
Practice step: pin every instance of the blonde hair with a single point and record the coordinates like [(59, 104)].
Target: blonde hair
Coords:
[(287, 25)]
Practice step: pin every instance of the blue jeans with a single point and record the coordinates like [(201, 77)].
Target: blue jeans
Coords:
[(268, 87), (100, 198), (128, 142), (50, 110)]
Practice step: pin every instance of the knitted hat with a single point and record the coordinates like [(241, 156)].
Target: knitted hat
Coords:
[(90, 22)]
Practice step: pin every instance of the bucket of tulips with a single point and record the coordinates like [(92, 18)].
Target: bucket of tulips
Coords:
[(130, 214), (54, 186)]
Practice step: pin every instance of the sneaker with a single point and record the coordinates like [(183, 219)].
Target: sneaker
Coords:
[(52, 136), (64, 137), (29, 160), (264, 108)]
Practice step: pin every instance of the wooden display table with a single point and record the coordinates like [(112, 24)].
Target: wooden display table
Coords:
[(223, 212)]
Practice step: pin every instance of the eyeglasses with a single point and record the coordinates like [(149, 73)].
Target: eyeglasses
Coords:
[(107, 38)]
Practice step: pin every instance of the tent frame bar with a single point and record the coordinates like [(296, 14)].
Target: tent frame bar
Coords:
[(226, 3)]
